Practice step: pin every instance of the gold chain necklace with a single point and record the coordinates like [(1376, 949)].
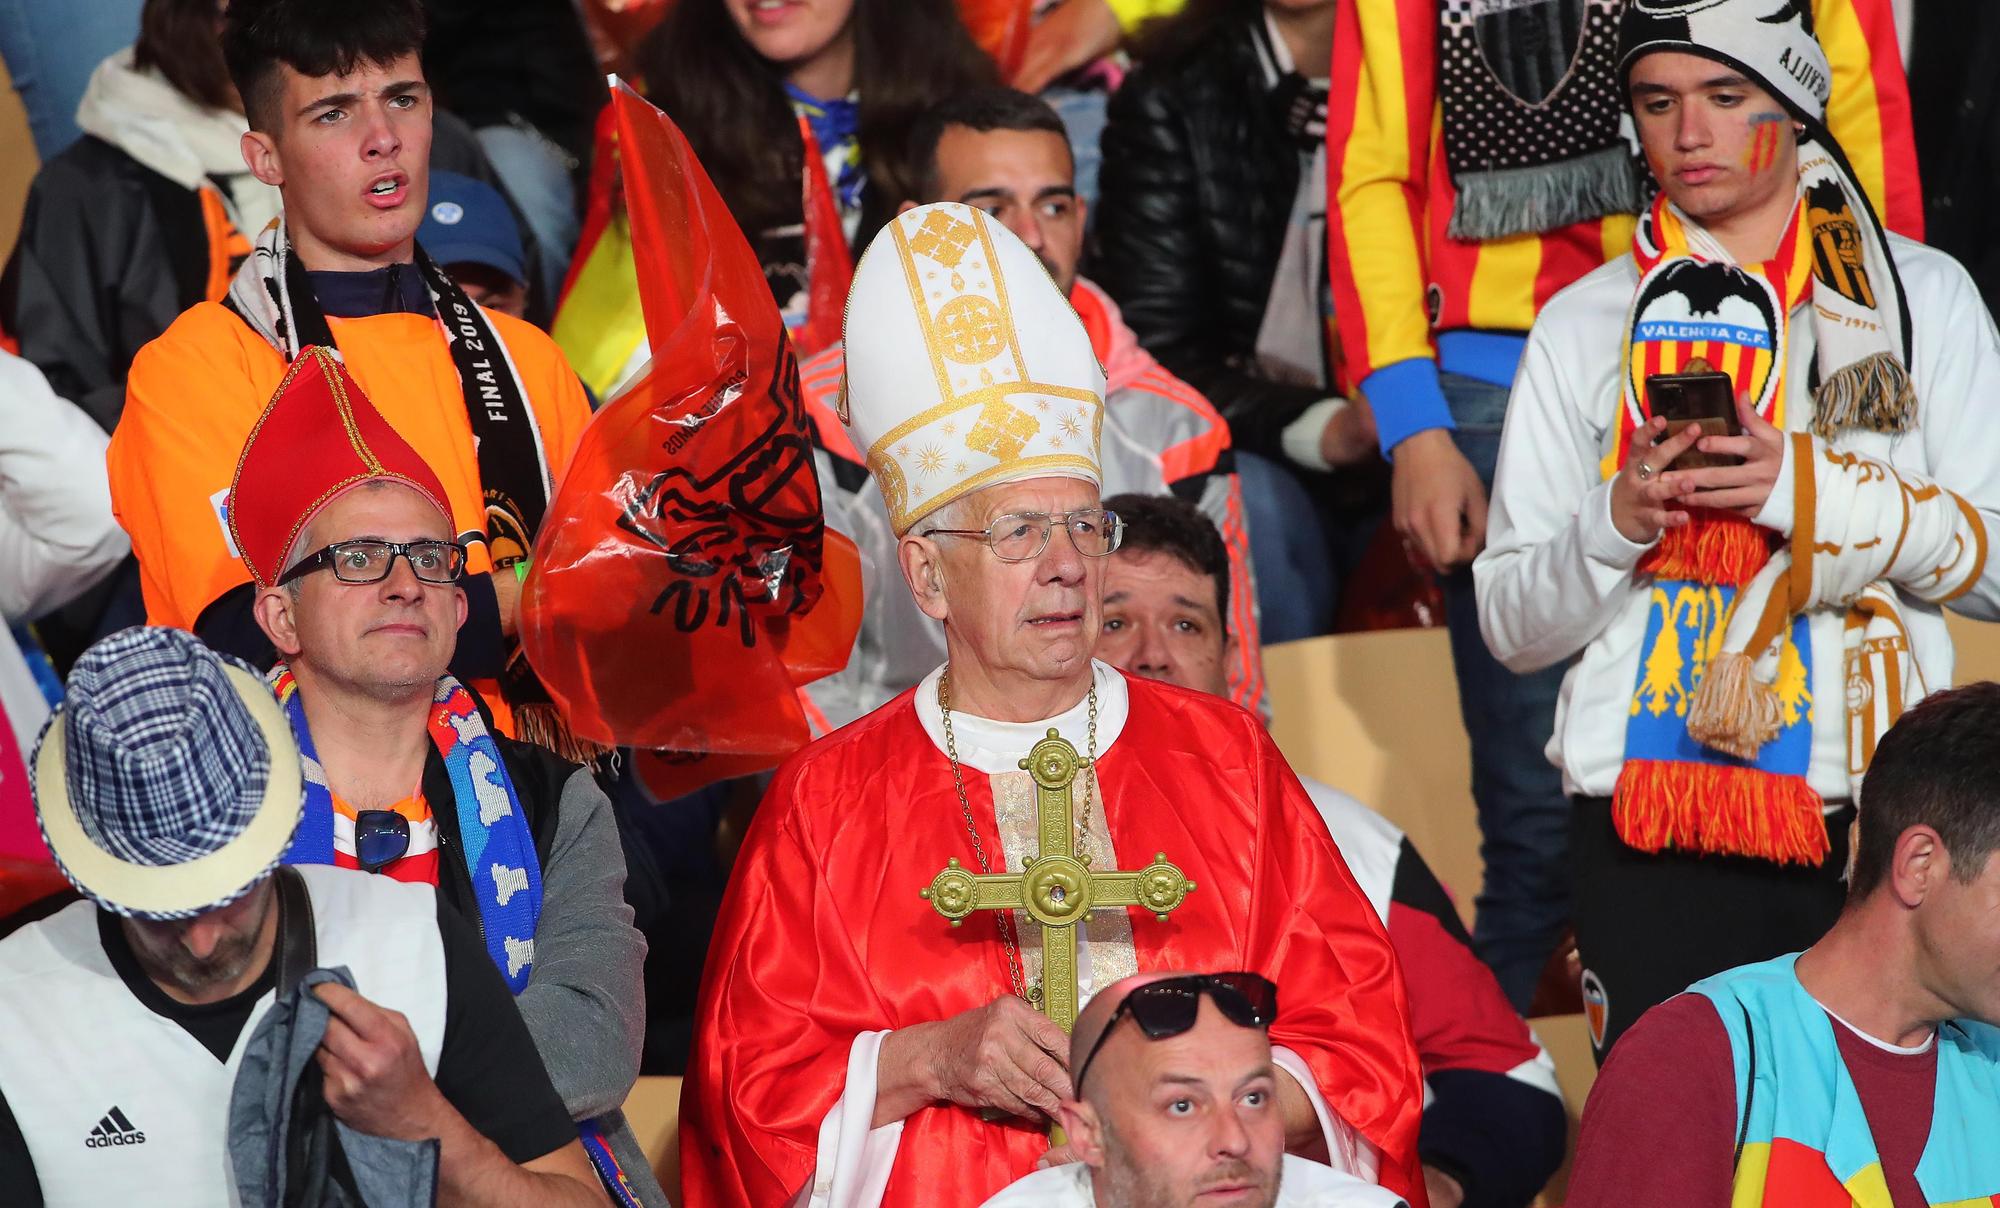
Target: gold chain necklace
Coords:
[(1005, 918)]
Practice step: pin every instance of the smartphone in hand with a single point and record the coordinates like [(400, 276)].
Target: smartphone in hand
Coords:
[(1699, 395)]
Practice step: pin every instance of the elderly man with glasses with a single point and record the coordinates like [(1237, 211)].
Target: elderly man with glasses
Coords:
[(346, 533), (854, 1048)]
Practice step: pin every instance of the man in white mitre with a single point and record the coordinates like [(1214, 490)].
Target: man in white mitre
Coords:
[(854, 1048)]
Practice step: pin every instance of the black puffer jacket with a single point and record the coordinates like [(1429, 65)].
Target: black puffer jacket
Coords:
[(1955, 109), (1197, 185), (110, 252)]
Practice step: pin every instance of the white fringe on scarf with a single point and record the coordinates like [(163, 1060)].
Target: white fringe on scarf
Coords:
[(258, 291)]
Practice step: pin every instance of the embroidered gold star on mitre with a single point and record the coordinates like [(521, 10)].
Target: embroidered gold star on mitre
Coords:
[(966, 366)]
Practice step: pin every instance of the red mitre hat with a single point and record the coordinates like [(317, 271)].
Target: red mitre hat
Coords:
[(318, 438)]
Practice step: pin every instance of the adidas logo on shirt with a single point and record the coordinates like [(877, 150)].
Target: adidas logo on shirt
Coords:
[(113, 1129)]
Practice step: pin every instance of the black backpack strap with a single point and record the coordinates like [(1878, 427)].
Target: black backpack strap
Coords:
[(298, 949), (1749, 1085)]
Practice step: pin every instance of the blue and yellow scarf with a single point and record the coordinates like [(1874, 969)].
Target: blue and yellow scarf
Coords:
[(1674, 791), (836, 127)]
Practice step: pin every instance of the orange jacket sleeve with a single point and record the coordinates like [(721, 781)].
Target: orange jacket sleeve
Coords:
[(562, 406), (190, 397), (194, 394)]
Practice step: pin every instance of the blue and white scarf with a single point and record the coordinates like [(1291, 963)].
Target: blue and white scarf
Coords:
[(499, 848)]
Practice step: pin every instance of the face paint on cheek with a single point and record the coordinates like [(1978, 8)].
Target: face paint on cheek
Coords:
[(1766, 134)]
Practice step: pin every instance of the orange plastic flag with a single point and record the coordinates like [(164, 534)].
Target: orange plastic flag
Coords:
[(1000, 27), (683, 585)]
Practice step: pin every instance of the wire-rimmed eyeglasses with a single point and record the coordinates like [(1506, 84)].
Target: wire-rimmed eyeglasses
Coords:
[(1020, 536)]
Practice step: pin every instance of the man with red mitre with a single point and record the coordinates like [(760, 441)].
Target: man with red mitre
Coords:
[(347, 535), (340, 124), (853, 1048)]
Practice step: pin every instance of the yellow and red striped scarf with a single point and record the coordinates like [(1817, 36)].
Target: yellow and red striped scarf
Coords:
[(1716, 547)]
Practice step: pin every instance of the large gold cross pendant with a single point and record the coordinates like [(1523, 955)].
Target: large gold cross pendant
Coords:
[(1057, 890)]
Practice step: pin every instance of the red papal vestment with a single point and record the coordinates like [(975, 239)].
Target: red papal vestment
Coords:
[(823, 944)]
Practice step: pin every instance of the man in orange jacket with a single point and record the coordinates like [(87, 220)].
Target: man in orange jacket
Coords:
[(340, 123)]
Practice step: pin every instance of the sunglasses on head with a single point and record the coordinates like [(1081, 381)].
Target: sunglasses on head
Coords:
[(1169, 1007)]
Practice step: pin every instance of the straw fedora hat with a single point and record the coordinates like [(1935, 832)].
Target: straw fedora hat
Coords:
[(167, 784)]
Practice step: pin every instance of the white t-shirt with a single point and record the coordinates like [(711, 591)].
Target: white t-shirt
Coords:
[(1304, 1184), (120, 1105)]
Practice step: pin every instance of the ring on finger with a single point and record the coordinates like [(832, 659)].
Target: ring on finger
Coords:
[(1646, 472)]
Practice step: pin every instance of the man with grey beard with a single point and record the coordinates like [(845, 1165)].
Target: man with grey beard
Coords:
[(168, 787)]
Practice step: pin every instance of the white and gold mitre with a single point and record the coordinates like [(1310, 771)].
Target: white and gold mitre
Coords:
[(966, 366)]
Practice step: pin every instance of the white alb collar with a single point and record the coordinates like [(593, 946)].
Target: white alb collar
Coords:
[(993, 747)]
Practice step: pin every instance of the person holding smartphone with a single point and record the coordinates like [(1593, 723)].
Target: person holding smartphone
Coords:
[(1750, 624)]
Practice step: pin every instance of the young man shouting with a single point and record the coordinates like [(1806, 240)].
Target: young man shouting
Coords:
[(340, 123)]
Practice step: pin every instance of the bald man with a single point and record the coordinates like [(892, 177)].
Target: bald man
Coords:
[(1176, 1104)]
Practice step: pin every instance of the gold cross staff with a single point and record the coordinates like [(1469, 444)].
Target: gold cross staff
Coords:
[(1056, 889)]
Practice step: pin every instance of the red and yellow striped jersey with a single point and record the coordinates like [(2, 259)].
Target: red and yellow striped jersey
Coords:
[(1399, 280)]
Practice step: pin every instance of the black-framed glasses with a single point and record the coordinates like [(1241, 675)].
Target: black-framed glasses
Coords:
[(370, 561), (1168, 1007), (381, 837), (1019, 536)]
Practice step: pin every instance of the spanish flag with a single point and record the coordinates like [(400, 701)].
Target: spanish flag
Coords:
[(599, 322)]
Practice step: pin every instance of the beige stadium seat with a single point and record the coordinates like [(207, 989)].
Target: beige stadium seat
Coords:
[(654, 1111), (1376, 714), (1978, 647)]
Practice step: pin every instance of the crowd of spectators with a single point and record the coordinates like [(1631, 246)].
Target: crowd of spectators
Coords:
[(1325, 253)]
